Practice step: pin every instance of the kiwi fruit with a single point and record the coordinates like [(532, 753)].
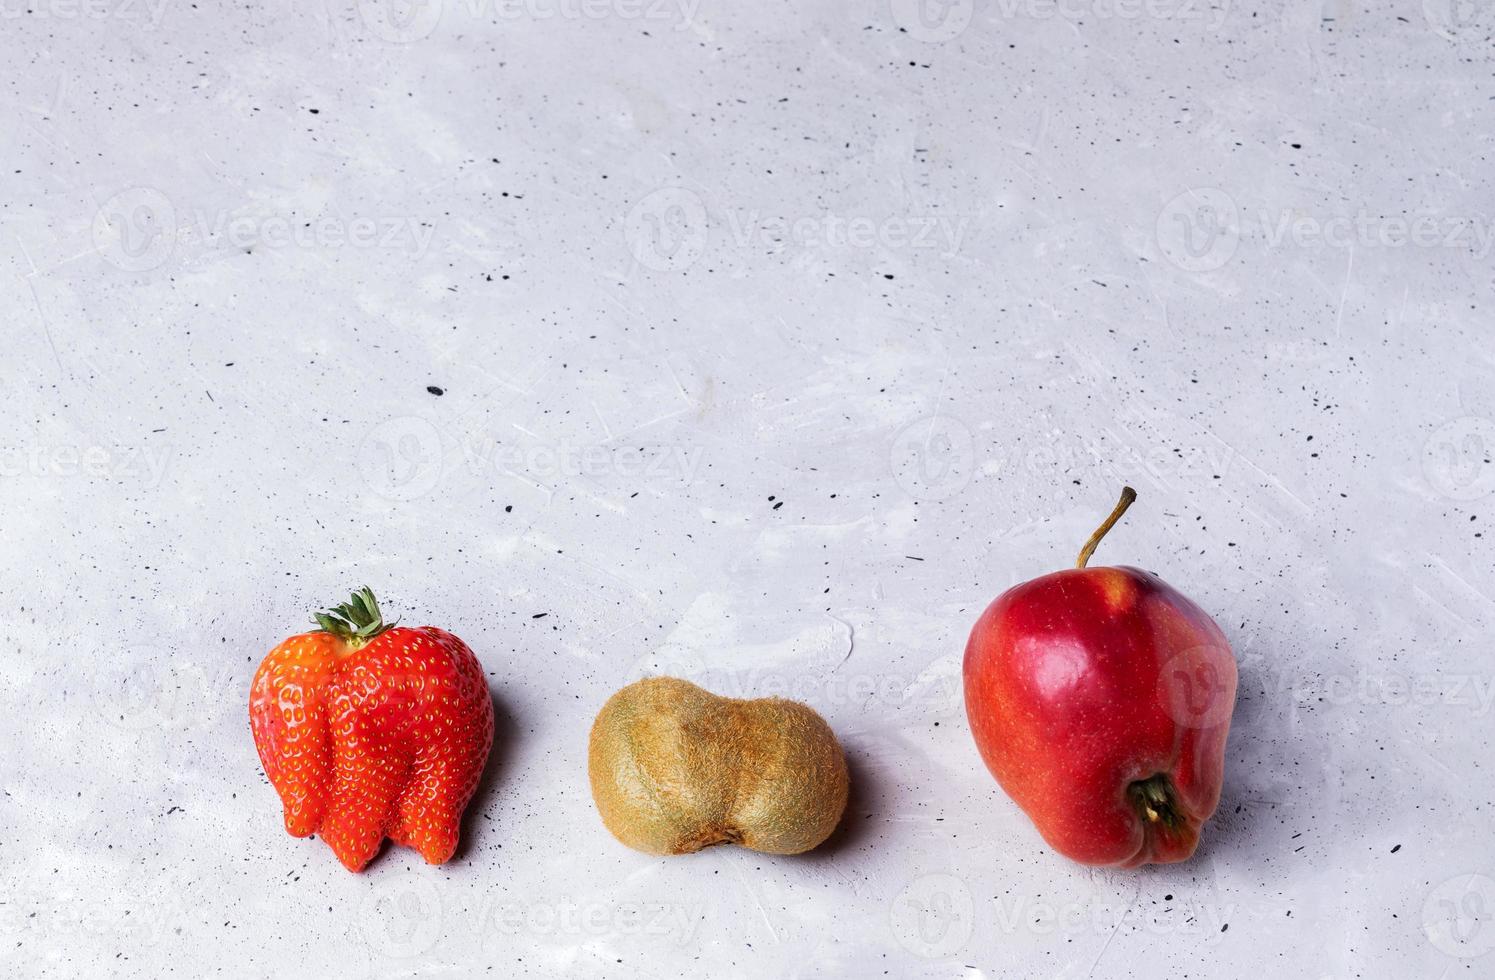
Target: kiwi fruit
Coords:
[(675, 768)]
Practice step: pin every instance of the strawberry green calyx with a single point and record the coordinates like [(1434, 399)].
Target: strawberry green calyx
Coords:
[(356, 621)]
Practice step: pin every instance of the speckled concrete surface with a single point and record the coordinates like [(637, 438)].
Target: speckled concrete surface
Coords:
[(762, 344)]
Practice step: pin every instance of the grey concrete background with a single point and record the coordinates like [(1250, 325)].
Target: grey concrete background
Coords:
[(773, 341)]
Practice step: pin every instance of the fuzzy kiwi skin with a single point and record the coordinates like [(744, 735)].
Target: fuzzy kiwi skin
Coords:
[(675, 768)]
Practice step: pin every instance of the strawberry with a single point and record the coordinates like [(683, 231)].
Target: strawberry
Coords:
[(370, 731)]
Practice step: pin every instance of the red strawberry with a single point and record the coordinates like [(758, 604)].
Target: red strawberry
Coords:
[(368, 731)]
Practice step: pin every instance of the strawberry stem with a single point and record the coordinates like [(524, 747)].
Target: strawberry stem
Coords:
[(356, 621)]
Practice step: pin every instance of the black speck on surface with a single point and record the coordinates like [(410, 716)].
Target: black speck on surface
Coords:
[(438, 392)]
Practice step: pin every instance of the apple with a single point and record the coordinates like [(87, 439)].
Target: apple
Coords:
[(1101, 699)]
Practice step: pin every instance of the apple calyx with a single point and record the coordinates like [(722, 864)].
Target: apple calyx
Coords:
[(1127, 496), (1153, 798)]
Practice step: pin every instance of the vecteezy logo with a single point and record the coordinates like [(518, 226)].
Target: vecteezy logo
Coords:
[(1199, 230), (933, 458), (1459, 916), (135, 690), (1459, 458), (934, 916), (666, 231), (933, 21), (1197, 687), (402, 917), (135, 229), (400, 21), (1451, 18), (401, 458)]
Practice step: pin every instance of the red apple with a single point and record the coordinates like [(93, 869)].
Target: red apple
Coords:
[(1101, 698)]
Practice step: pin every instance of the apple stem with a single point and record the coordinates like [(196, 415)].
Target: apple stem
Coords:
[(1127, 496)]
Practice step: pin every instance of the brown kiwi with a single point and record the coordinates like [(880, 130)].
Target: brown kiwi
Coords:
[(675, 768)]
